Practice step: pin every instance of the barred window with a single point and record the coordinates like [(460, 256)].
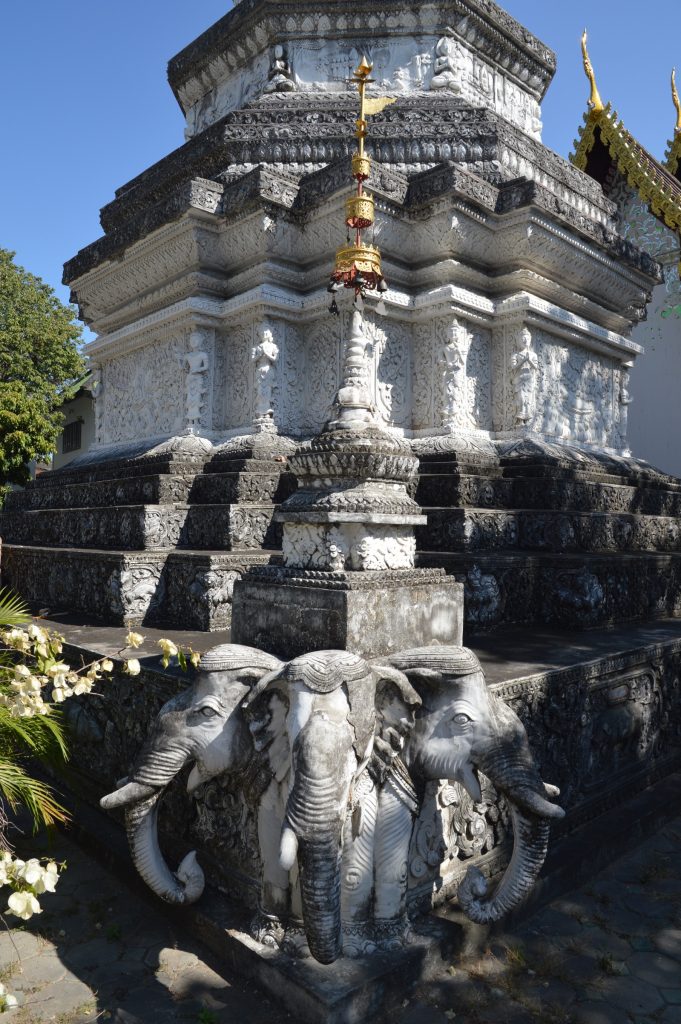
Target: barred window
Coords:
[(71, 438)]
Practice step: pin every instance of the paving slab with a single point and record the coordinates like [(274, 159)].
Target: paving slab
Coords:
[(117, 958)]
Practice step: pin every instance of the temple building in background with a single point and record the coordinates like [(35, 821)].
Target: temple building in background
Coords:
[(647, 193)]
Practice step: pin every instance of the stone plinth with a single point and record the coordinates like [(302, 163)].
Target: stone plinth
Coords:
[(289, 612)]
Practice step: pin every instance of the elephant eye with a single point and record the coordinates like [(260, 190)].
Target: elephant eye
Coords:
[(461, 719), (208, 712)]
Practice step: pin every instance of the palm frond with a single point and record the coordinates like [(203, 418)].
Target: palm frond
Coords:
[(13, 611), (42, 735), (17, 788)]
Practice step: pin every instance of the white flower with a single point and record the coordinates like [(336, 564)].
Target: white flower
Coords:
[(107, 665), (82, 686), (168, 647), (134, 639), (23, 905), (31, 871), (7, 867), (7, 1000), (132, 667), (37, 634), (17, 639), (59, 669), (60, 693), (49, 876)]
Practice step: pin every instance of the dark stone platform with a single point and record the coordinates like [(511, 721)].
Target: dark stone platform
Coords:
[(603, 713)]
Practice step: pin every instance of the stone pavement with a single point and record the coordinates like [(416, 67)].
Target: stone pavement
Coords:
[(609, 953)]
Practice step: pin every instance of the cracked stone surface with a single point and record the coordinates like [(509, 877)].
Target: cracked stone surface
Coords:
[(608, 953)]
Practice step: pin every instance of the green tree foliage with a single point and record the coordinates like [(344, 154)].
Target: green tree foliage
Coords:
[(39, 364)]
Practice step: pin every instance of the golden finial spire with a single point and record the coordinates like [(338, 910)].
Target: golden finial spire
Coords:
[(676, 102), (595, 102), (358, 265)]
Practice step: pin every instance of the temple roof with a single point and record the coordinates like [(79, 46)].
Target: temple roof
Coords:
[(672, 159), (605, 146)]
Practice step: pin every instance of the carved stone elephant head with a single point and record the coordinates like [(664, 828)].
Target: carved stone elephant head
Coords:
[(330, 728), (461, 729), (202, 725)]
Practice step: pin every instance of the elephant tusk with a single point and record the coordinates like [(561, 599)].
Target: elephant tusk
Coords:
[(131, 793), (551, 791), (535, 803), (288, 849)]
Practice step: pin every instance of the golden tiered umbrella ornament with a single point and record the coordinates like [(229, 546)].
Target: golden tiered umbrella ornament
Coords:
[(358, 264)]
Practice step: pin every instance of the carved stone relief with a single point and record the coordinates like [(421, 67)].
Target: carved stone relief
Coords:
[(144, 392), (265, 355), (452, 376), (197, 381), (524, 376), (401, 66), (390, 369), (558, 389), (355, 547), (236, 384), (321, 378)]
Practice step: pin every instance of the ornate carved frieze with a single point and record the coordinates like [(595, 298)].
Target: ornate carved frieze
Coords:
[(143, 392)]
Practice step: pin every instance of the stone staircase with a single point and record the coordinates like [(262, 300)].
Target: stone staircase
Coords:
[(537, 533), (551, 534), (143, 538)]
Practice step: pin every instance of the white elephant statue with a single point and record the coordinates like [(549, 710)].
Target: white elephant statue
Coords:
[(348, 747)]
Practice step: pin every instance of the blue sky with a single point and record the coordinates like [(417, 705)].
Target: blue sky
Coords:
[(87, 106)]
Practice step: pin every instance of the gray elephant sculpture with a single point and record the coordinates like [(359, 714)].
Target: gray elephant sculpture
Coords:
[(203, 726), (349, 747)]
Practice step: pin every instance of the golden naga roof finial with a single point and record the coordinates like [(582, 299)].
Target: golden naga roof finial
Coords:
[(676, 102), (595, 102)]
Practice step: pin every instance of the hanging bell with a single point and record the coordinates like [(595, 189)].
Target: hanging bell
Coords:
[(382, 286), (360, 280), (333, 308)]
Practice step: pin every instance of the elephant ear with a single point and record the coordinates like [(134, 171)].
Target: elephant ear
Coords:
[(265, 710), (396, 704)]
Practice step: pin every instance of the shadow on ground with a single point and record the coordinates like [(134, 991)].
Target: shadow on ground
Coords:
[(610, 953)]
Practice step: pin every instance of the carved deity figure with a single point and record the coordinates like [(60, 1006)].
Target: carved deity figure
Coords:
[(524, 375), (97, 388), (446, 69), (453, 366), (197, 362), (279, 78), (264, 356), (624, 401)]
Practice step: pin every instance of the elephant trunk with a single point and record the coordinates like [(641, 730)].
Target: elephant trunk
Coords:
[(314, 820), (182, 886), (530, 843), (161, 758), (510, 767)]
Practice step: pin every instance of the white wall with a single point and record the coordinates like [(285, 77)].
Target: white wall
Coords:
[(655, 411)]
